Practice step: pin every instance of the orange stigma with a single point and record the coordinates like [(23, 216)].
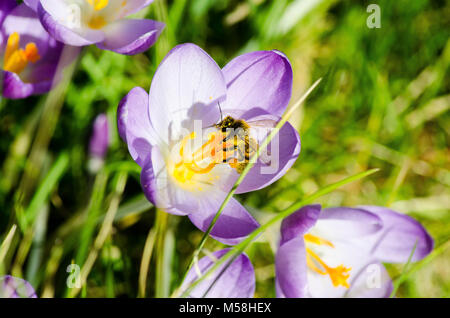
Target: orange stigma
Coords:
[(338, 275), (16, 59)]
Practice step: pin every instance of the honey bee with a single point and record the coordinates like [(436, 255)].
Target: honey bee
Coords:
[(237, 139)]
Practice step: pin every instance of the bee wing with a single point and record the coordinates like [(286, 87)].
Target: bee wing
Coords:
[(264, 123), (263, 128), (264, 157)]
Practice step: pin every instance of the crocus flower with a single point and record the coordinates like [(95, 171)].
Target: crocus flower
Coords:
[(30, 55), (99, 142), (237, 281), (100, 22), (337, 252), (190, 90), (13, 287)]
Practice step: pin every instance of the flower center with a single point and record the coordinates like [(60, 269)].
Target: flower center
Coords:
[(338, 275), (190, 164), (16, 59), (222, 147), (97, 22)]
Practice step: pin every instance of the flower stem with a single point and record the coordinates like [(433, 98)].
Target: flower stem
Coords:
[(145, 262), (161, 228)]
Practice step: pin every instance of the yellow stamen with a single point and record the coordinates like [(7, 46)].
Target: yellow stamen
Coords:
[(180, 172), (215, 150), (317, 240), (16, 59), (338, 275), (12, 45), (98, 4)]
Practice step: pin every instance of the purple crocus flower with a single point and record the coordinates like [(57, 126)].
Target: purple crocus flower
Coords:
[(13, 287), (237, 281), (189, 95), (337, 252), (99, 142), (100, 22), (30, 55)]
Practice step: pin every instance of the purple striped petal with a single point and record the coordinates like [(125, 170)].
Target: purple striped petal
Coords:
[(134, 124), (13, 287), (131, 37), (233, 225), (187, 83), (345, 223), (290, 268), (6, 6), (396, 240), (237, 281), (284, 150), (299, 223), (15, 88), (259, 80), (33, 4)]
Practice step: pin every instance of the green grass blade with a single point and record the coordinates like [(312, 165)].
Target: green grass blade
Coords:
[(45, 189), (4, 248)]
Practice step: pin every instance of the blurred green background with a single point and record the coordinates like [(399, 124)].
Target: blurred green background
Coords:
[(383, 103)]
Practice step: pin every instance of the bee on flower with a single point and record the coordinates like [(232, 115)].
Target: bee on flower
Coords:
[(179, 133)]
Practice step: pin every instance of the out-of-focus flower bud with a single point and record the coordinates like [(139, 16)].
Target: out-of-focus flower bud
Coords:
[(99, 143)]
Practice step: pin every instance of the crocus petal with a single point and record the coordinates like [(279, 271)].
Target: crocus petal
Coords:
[(148, 180), (284, 149), (6, 6), (15, 88), (259, 80), (290, 268), (300, 222), (133, 6), (52, 11), (134, 124), (233, 225), (187, 79), (33, 4), (347, 223), (13, 287), (130, 36), (373, 281), (400, 233), (161, 190), (237, 281)]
